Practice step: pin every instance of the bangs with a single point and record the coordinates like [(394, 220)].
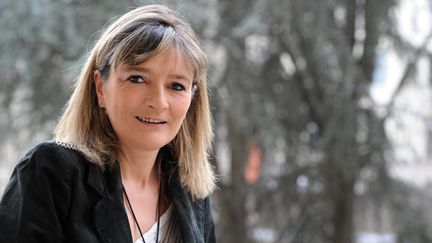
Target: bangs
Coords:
[(144, 40), (134, 45)]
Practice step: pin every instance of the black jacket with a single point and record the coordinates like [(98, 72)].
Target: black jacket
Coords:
[(56, 195)]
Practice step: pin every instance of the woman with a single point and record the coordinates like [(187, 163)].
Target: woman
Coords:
[(129, 158)]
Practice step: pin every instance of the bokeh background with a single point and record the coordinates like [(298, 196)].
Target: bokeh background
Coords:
[(322, 108)]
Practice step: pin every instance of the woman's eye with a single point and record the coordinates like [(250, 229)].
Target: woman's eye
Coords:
[(178, 87), (135, 79)]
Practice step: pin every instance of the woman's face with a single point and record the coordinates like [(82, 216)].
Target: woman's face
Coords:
[(146, 103)]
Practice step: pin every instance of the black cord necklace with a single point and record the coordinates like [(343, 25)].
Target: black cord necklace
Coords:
[(157, 211)]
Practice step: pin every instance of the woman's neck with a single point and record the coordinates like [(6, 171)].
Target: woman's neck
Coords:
[(138, 167)]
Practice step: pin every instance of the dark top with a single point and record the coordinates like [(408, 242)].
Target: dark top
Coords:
[(56, 195)]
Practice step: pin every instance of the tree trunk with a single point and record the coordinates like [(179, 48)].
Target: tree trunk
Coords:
[(343, 215), (233, 200)]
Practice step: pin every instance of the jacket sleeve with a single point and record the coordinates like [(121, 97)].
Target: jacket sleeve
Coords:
[(210, 236), (35, 202)]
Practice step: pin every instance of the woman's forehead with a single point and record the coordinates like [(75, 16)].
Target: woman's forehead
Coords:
[(172, 58)]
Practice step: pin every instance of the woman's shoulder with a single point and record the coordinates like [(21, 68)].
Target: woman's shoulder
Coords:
[(52, 155), (52, 146), (54, 149)]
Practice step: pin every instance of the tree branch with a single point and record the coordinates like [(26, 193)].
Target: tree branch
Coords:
[(410, 68)]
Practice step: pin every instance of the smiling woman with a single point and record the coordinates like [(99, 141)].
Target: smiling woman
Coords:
[(129, 158), (147, 103)]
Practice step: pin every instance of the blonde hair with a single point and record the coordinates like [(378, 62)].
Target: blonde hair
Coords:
[(134, 38)]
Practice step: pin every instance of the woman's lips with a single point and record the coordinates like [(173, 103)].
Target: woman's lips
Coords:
[(150, 120)]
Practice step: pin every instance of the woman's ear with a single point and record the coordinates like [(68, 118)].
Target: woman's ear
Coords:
[(99, 85), (194, 87)]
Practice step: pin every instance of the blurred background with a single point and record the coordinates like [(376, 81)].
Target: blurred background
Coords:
[(322, 108)]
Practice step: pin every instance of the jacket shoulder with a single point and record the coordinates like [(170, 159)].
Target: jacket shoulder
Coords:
[(52, 147), (50, 157), (38, 194), (53, 150)]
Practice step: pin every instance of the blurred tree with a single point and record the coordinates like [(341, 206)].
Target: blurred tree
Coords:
[(41, 45), (290, 79), (298, 75)]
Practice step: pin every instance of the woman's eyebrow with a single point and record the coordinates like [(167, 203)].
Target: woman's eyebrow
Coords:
[(138, 69), (180, 77)]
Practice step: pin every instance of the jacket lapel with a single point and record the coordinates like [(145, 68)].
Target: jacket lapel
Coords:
[(184, 208), (109, 214)]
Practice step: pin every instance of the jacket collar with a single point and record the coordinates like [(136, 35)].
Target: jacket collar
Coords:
[(184, 209), (109, 213), (182, 201)]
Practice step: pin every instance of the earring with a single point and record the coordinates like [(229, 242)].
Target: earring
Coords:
[(194, 89)]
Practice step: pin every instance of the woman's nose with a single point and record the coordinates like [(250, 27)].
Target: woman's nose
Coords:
[(156, 99)]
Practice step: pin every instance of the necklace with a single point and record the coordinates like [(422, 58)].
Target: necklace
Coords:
[(157, 211)]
